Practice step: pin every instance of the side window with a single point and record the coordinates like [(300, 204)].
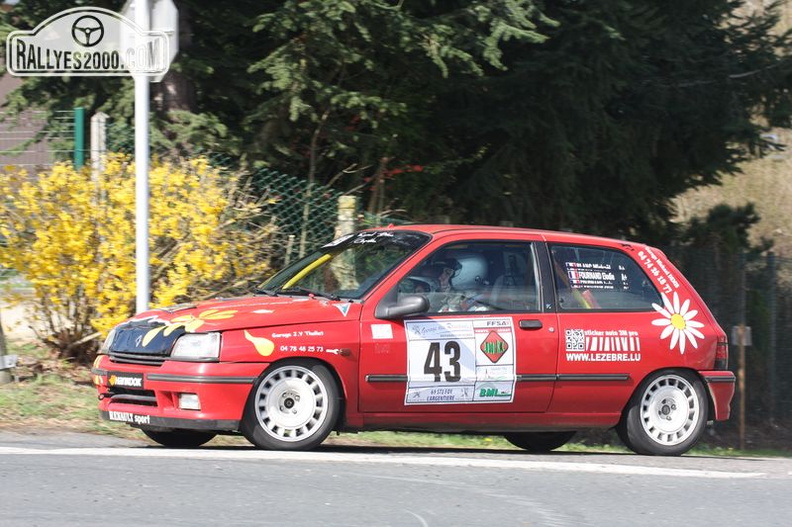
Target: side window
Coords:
[(477, 276), (593, 278)]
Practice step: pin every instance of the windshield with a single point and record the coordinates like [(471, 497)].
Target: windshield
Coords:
[(347, 267)]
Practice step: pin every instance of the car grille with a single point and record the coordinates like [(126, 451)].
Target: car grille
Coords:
[(131, 358), (128, 345)]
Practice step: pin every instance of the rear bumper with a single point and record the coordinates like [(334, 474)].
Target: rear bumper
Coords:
[(149, 397), (720, 385)]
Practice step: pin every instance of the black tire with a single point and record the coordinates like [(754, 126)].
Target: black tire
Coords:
[(180, 438), (539, 441), (293, 406), (666, 415)]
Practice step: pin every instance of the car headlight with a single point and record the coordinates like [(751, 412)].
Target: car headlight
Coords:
[(197, 346)]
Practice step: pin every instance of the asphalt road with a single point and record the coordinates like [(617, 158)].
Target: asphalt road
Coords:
[(86, 480)]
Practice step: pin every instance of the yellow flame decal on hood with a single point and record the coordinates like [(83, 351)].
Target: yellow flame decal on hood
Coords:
[(264, 346), (190, 323)]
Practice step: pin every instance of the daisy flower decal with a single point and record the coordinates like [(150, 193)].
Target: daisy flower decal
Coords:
[(678, 322)]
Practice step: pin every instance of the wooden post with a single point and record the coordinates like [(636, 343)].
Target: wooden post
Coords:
[(347, 210), (346, 223)]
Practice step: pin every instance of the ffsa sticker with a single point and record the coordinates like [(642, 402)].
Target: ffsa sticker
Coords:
[(460, 361)]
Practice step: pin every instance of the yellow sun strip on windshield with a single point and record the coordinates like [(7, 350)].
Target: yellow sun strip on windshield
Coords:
[(299, 276)]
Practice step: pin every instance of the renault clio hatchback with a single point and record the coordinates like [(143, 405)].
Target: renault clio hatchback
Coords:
[(480, 330)]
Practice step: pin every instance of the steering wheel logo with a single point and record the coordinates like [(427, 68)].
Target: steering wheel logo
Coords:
[(87, 31)]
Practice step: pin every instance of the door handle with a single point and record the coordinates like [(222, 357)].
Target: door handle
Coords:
[(531, 324)]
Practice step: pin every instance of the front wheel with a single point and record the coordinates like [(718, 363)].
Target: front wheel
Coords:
[(539, 441), (666, 416), (180, 438), (294, 406)]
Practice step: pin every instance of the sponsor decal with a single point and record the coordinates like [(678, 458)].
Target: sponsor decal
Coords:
[(491, 390), (602, 357), (494, 346), (598, 340), (678, 322), (125, 380), (128, 417), (658, 270), (303, 333), (592, 345)]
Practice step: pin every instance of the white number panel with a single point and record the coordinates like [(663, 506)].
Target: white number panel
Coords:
[(460, 361)]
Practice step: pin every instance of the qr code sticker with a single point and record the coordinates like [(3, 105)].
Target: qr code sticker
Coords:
[(575, 340)]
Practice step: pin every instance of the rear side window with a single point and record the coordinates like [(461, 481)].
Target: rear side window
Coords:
[(594, 278)]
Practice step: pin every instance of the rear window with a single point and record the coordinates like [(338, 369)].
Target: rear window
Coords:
[(595, 278)]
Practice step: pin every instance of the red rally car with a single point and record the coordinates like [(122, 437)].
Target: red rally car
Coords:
[(525, 333)]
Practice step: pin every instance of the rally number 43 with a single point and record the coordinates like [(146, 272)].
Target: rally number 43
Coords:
[(434, 364)]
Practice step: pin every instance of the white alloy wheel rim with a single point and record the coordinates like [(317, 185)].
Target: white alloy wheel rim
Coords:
[(291, 403), (670, 410)]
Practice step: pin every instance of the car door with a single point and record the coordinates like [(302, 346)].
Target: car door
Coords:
[(605, 311), (487, 344)]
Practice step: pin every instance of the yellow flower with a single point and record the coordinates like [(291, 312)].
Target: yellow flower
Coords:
[(72, 236)]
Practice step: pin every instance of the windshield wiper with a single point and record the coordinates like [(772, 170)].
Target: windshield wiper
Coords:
[(298, 290), (268, 292)]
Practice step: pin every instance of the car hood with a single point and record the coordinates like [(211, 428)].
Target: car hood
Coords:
[(251, 312)]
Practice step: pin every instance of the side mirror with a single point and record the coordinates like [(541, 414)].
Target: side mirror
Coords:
[(405, 306)]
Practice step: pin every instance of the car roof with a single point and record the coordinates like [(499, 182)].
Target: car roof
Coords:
[(547, 235)]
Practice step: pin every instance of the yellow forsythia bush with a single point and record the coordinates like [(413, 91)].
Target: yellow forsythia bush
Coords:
[(71, 234)]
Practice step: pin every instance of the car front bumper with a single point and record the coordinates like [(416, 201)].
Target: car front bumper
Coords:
[(156, 397)]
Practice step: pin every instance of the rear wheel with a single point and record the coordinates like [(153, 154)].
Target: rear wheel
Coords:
[(539, 441), (666, 416), (180, 438), (294, 406)]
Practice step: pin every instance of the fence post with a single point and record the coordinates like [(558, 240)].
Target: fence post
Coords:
[(79, 138), (347, 210), (98, 142), (342, 266)]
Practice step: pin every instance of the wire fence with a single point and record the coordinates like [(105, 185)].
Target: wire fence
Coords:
[(306, 214), (36, 139)]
